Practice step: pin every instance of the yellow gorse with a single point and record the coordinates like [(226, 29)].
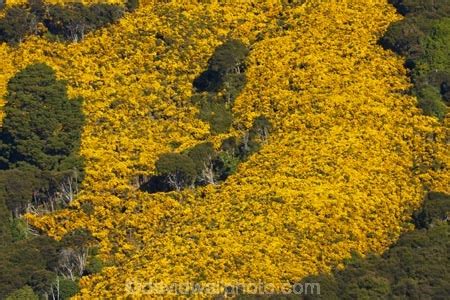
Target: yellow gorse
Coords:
[(337, 175)]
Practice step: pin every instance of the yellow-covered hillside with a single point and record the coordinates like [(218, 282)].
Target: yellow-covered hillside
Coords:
[(337, 175)]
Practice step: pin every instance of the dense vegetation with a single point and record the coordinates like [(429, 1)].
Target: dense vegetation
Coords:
[(423, 38), (276, 138), (70, 22), (216, 90), (415, 267), (39, 141), (40, 170)]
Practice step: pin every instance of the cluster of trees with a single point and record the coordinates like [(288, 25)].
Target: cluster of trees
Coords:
[(69, 22), (202, 164), (38, 267), (423, 37), (40, 169), (215, 92), (218, 86), (39, 140)]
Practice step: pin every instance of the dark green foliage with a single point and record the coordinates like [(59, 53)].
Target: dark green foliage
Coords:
[(229, 145), (69, 22), (24, 293), (67, 288), (15, 190), (94, 266), (36, 262), (19, 229), (254, 138), (5, 225), (38, 8), (220, 84), (225, 165), (132, 5), (423, 37), (39, 144), (436, 207), (217, 115), (27, 262), (73, 21), (228, 58), (416, 267), (17, 24), (42, 281), (405, 37), (232, 86), (431, 8), (39, 140), (430, 100), (178, 169), (201, 155), (42, 127)]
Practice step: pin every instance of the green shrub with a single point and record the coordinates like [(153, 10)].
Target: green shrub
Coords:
[(178, 169), (19, 229), (217, 115), (94, 265), (67, 288), (24, 293), (132, 5), (17, 23), (431, 103), (202, 154)]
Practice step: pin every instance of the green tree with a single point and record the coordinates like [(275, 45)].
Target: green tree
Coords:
[(132, 5), (42, 127), (217, 115), (24, 293), (228, 58), (17, 188), (73, 21), (5, 226), (17, 23), (67, 288), (431, 103), (203, 155), (177, 169)]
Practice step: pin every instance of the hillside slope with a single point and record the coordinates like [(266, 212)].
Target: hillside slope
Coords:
[(346, 162)]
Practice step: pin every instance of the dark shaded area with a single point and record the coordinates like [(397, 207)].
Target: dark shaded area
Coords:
[(228, 58), (435, 208), (208, 81), (431, 8), (423, 38), (156, 184), (70, 22)]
